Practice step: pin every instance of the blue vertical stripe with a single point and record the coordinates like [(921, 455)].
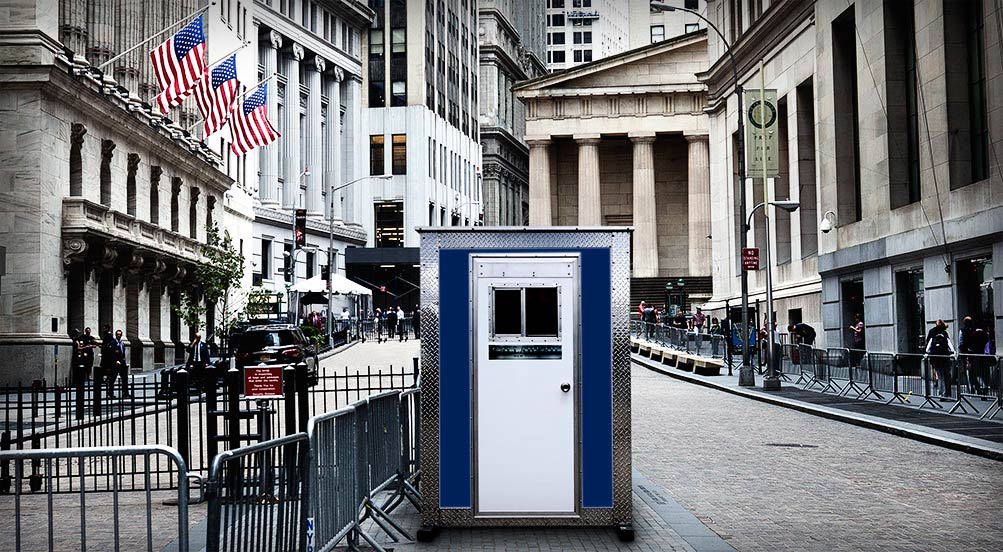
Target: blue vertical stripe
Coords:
[(455, 451), (597, 380)]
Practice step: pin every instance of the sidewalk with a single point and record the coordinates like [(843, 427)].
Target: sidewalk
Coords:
[(957, 432)]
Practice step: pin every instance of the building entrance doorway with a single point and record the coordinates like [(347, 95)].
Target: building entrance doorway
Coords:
[(852, 300), (975, 292), (910, 311)]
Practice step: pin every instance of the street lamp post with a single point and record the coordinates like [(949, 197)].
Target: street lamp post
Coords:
[(746, 376), (772, 381), (331, 252), (294, 309)]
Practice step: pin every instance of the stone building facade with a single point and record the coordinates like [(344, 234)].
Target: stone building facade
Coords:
[(511, 46), (104, 203), (623, 142), (890, 124)]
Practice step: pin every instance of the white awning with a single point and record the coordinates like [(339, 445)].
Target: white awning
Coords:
[(339, 286)]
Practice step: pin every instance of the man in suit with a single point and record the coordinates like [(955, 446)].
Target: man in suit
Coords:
[(108, 354), (118, 367), (198, 358)]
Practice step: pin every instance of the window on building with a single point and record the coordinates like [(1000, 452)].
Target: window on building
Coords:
[(376, 154), (266, 259), (390, 224), (692, 27), (77, 132), (155, 173), (375, 43), (691, 4), (556, 3), (398, 93), (175, 208), (807, 192), (398, 157), (782, 185), (657, 33), (910, 309), (107, 149), (587, 55), (130, 183), (193, 212), (844, 76), (577, 56), (556, 20), (311, 260), (903, 115), (967, 114), (576, 38), (735, 20), (558, 38), (587, 37), (398, 41)]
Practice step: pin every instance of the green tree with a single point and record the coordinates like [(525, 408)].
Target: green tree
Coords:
[(218, 278)]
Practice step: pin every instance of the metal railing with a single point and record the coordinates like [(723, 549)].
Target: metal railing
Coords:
[(101, 474)]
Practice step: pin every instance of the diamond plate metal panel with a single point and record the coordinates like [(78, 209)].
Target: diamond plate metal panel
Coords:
[(618, 242)]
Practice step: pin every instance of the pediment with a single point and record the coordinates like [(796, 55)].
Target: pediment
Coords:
[(670, 63)]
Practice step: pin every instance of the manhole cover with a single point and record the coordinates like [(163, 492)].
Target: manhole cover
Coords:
[(791, 445)]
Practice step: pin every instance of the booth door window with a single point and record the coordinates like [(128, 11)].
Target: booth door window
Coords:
[(526, 388)]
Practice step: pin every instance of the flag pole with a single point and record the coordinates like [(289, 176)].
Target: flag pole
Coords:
[(252, 88), (155, 35), (230, 53)]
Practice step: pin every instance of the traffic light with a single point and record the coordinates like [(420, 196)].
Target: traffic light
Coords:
[(300, 227)]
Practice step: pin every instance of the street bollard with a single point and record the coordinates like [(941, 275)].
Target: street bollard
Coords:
[(414, 361), (5, 478), (96, 391), (211, 420), (302, 397), (181, 391), (233, 407)]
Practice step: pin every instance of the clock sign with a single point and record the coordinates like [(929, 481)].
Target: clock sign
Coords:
[(761, 136), (760, 111)]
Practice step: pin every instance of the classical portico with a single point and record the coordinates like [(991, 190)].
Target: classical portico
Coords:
[(623, 141)]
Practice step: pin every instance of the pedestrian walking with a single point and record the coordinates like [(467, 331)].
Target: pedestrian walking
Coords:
[(401, 334), (78, 371), (698, 320), (378, 323), (198, 358), (391, 323), (648, 317), (87, 344), (119, 367), (108, 354), (939, 350), (416, 322)]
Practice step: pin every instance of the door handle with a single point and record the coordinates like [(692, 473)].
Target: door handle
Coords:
[(565, 387)]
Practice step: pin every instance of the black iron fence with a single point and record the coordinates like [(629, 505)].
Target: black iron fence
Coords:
[(197, 418)]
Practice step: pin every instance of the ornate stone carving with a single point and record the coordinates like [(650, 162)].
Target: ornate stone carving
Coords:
[(275, 39), (77, 132), (195, 194), (133, 162), (319, 64), (210, 202), (176, 185), (107, 148), (108, 255), (297, 52), (156, 172), (74, 251), (338, 74)]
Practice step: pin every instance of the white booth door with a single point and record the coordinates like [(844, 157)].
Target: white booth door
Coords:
[(525, 343)]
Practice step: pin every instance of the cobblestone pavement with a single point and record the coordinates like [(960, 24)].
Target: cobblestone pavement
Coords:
[(375, 355), (853, 489)]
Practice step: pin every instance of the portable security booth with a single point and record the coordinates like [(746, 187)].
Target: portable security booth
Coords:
[(525, 409)]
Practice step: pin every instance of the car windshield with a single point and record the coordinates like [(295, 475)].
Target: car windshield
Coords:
[(256, 341)]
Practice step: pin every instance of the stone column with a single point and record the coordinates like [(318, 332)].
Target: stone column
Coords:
[(698, 194), (291, 128), (354, 155), (315, 139), (269, 183), (645, 227), (333, 165), (589, 201), (539, 182)]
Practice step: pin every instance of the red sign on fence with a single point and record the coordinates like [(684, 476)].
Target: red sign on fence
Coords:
[(263, 381), (750, 258)]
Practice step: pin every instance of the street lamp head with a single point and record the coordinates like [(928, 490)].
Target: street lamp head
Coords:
[(827, 225), (662, 6), (786, 205)]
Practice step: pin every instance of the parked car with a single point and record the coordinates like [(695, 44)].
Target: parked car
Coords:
[(277, 344)]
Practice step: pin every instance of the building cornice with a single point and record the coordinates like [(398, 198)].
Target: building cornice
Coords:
[(777, 25), (354, 235), (268, 17), (626, 90), (118, 114)]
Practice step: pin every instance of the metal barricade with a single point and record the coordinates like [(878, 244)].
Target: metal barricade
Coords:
[(978, 377), (98, 515), (806, 360), (913, 375), (790, 364), (717, 346), (333, 494), (383, 455), (258, 497), (837, 363)]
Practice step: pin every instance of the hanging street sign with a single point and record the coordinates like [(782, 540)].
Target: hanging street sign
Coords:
[(750, 259), (761, 124)]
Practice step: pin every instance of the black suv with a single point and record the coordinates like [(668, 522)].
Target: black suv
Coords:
[(277, 344)]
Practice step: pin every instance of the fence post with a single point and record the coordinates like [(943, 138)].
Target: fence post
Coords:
[(181, 391), (233, 407), (289, 397), (96, 390), (302, 399), (212, 417), (5, 478), (414, 361), (79, 387)]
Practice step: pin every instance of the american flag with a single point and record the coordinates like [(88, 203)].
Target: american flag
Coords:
[(179, 63), (249, 126), (216, 94)]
